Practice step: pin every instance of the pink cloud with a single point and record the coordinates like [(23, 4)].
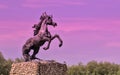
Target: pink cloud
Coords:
[(47, 3), (15, 35), (15, 24), (73, 3), (12, 30), (68, 25), (2, 6), (32, 5), (113, 44), (21, 29), (89, 24)]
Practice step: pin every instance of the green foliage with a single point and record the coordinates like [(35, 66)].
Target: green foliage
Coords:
[(19, 60), (95, 68), (5, 65)]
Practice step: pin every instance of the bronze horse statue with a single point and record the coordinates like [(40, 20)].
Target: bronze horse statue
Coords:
[(34, 43)]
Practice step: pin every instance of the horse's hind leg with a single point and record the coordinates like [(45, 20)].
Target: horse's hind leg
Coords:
[(33, 56), (26, 55), (25, 52), (26, 49)]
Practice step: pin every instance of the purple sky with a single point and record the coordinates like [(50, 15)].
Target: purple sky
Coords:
[(90, 29)]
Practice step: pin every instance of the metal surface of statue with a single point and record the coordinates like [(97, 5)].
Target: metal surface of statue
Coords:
[(34, 43), (38, 26)]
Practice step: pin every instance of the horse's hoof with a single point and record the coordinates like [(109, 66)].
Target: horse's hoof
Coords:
[(60, 45), (45, 48), (32, 58)]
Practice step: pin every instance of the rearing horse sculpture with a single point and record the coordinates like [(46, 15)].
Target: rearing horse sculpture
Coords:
[(38, 40)]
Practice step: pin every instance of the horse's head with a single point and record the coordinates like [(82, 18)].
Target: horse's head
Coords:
[(49, 21)]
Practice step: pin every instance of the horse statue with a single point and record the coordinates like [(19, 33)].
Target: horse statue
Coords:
[(34, 43)]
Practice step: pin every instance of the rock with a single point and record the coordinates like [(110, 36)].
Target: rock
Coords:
[(38, 68)]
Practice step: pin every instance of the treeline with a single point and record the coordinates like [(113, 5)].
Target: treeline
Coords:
[(91, 68), (95, 68)]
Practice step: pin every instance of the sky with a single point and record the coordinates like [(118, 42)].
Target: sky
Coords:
[(90, 29)]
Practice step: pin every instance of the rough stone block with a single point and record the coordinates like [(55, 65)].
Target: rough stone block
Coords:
[(38, 68)]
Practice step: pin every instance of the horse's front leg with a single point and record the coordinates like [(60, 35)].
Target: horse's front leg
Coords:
[(49, 42), (61, 42)]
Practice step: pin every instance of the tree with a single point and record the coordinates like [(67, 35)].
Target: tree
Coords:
[(5, 65), (95, 68), (91, 67), (19, 60)]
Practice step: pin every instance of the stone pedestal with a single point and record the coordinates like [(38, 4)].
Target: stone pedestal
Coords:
[(38, 68)]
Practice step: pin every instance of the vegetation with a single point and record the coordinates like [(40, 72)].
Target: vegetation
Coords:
[(95, 68), (91, 68), (5, 65)]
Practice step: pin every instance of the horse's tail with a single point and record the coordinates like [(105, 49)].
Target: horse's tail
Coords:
[(26, 47)]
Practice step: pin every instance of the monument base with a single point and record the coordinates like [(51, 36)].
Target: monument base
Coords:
[(38, 68)]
